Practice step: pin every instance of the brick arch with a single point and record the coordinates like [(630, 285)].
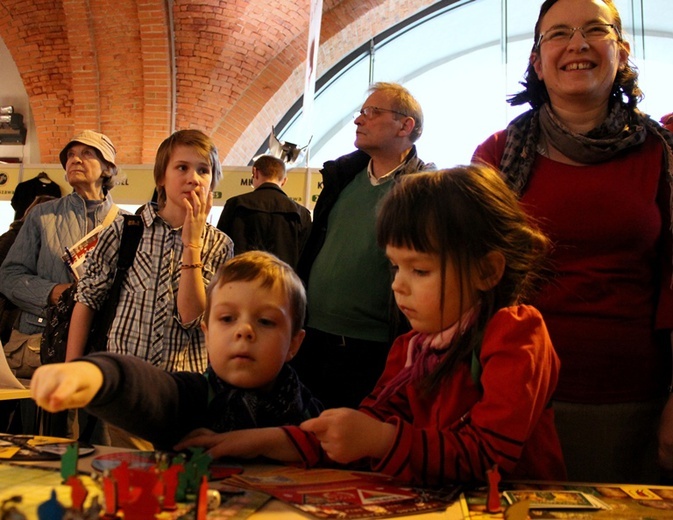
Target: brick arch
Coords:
[(99, 65), (345, 26), (237, 66), (34, 32)]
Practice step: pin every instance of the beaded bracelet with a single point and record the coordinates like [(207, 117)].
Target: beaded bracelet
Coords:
[(191, 266)]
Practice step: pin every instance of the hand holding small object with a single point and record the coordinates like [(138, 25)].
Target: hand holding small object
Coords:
[(347, 435)]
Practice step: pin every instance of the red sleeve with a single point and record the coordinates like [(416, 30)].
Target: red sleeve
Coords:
[(519, 374), (491, 150), (306, 444)]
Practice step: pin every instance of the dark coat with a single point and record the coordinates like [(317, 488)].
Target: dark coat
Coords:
[(266, 219)]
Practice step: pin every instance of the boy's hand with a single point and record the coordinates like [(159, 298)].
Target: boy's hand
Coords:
[(244, 444), (63, 386), (198, 208), (347, 435)]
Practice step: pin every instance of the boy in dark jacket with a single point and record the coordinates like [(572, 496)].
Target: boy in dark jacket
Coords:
[(253, 326)]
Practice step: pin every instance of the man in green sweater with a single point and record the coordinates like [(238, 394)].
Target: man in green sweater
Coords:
[(350, 323)]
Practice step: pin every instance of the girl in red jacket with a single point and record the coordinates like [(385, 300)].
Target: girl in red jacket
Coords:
[(469, 387)]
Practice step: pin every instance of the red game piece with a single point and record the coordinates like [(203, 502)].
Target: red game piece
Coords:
[(121, 476), (202, 500), (493, 500), (110, 494), (78, 493), (144, 503), (170, 479)]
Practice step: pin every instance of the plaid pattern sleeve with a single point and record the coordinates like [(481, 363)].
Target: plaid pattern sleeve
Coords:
[(146, 323)]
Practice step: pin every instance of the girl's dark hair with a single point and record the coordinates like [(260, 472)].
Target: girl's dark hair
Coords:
[(535, 92), (461, 214)]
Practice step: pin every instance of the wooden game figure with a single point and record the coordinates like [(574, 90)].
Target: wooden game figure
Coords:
[(121, 477), (143, 504), (170, 480), (493, 498), (52, 509), (202, 500), (110, 496), (78, 492), (69, 461)]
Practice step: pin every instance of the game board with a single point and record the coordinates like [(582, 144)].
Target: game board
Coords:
[(626, 501)]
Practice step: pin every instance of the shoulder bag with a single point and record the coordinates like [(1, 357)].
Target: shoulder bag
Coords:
[(55, 336)]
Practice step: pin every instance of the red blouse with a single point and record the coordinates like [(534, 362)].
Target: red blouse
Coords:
[(609, 304)]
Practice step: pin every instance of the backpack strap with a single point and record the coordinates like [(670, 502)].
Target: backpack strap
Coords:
[(131, 234)]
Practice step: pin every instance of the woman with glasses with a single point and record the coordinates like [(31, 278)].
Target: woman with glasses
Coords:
[(596, 174)]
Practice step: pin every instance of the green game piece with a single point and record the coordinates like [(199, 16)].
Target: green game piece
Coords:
[(69, 461)]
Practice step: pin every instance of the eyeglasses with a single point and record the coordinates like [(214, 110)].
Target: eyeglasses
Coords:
[(370, 112), (591, 32)]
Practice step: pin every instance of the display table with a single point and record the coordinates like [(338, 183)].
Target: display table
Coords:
[(39, 484), (629, 502)]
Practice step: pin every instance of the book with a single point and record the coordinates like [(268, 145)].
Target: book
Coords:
[(75, 255)]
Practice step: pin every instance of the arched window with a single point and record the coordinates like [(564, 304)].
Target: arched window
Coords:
[(461, 60)]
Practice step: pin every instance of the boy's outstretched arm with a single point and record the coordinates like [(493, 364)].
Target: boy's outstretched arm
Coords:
[(271, 443), (61, 386), (347, 435)]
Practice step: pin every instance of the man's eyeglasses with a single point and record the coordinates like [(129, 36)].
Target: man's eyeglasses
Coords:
[(591, 32), (370, 112)]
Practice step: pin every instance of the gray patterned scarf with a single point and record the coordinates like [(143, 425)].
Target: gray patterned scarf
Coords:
[(621, 130)]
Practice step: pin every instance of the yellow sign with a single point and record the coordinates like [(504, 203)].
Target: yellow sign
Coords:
[(136, 183), (9, 178)]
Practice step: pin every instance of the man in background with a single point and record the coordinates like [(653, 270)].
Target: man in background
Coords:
[(267, 219), (350, 324)]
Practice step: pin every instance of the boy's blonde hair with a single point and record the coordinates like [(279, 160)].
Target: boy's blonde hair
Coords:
[(271, 271), (197, 140)]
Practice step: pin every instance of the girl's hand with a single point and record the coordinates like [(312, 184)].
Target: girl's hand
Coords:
[(61, 386), (197, 209), (347, 435), (245, 444)]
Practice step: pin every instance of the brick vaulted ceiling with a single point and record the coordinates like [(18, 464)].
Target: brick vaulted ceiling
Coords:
[(135, 68)]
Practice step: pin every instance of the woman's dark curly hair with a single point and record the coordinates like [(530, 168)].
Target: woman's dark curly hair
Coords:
[(535, 92)]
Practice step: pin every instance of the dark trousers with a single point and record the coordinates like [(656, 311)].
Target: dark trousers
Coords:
[(340, 371)]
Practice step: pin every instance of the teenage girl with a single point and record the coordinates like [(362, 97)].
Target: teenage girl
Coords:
[(469, 387)]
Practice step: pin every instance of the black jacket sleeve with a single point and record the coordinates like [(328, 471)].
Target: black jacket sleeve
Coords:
[(159, 406)]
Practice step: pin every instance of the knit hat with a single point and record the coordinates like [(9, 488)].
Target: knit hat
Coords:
[(98, 141)]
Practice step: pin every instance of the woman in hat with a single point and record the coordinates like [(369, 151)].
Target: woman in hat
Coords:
[(34, 274)]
